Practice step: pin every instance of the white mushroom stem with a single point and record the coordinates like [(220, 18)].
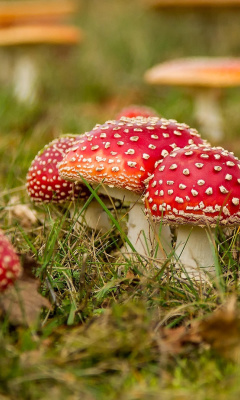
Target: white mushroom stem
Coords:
[(147, 240), (208, 114), (195, 251), (140, 232), (94, 217), (25, 78)]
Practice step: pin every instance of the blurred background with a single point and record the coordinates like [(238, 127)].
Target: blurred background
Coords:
[(88, 82)]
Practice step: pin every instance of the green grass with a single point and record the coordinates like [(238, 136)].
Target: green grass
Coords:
[(102, 338)]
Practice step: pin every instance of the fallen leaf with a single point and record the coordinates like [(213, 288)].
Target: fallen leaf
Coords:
[(22, 303), (174, 341), (22, 212), (221, 330)]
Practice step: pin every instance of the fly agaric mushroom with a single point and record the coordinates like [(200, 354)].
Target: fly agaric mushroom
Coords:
[(16, 12), (196, 188), (10, 267), (122, 153), (26, 35), (44, 185), (206, 76), (134, 111), (193, 3)]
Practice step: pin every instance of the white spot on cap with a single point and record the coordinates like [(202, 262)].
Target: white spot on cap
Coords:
[(179, 200), (194, 192), (230, 163), (115, 169), (170, 182), (217, 168), (164, 153), (130, 151), (173, 166), (151, 146), (182, 186), (235, 201), (95, 147), (209, 191), (186, 171), (200, 182), (228, 177), (199, 165), (223, 189), (146, 156), (107, 145), (131, 164), (134, 138)]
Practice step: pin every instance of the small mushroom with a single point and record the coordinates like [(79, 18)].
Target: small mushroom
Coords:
[(44, 184), (196, 188), (23, 27), (134, 111), (122, 154), (207, 76), (193, 3), (10, 267)]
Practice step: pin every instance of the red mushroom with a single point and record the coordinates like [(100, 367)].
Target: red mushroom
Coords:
[(45, 185), (134, 111), (10, 267), (123, 153), (197, 188)]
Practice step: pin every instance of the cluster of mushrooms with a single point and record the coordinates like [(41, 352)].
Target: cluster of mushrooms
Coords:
[(166, 173), (162, 170)]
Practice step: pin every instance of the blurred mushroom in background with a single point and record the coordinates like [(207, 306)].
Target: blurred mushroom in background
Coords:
[(206, 76), (24, 25)]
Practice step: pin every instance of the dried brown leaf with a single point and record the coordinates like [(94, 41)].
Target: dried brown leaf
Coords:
[(22, 303), (22, 212), (174, 341), (221, 330)]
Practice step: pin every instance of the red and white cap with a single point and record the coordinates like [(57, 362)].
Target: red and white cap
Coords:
[(196, 185), (123, 153), (43, 181), (10, 267), (134, 111)]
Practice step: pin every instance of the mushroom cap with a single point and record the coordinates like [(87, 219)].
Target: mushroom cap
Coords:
[(196, 185), (134, 111), (196, 71), (10, 267), (26, 10), (123, 152), (44, 184), (192, 3), (39, 34)]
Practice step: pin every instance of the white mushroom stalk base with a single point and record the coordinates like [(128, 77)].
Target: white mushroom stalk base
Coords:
[(94, 217), (148, 240), (25, 78), (195, 252), (208, 114), (144, 238)]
